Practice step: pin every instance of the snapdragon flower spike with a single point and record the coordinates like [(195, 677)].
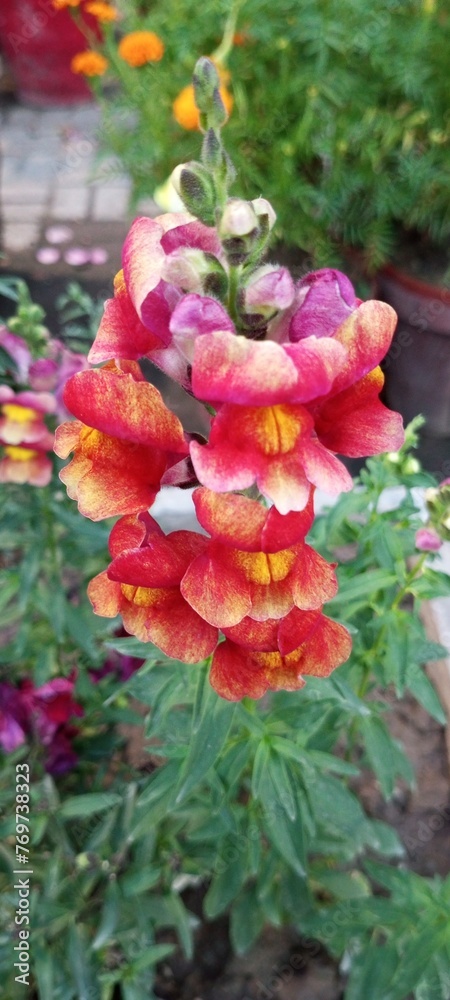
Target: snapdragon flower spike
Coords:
[(24, 437), (262, 661), (22, 417), (256, 563), (286, 410), (124, 440), (142, 584)]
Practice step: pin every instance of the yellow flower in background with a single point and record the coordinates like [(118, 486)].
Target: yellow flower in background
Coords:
[(141, 47), (185, 110), (89, 63), (103, 11)]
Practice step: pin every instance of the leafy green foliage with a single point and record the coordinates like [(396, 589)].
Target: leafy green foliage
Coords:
[(340, 112)]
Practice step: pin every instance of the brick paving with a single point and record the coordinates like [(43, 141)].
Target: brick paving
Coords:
[(51, 173)]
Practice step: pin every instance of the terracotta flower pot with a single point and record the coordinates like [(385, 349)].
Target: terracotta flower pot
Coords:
[(39, 43), (417, 366)]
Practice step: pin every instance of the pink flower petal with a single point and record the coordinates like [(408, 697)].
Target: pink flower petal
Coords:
[(47, 255), (58, 234)]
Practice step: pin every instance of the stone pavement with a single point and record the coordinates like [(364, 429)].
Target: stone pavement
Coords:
[(51, 174)]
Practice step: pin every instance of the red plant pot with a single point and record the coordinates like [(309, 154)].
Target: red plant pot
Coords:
[(417, 367), (39, 43)]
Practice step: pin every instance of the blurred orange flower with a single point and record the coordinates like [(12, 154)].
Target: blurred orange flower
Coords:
[(89, 63), (60, 4), (103, 11), (141, 47), (185, 110)]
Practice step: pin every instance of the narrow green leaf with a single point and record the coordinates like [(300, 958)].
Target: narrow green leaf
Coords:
[(109, 916), (247, 921), (87, 805), (422, 689), (206, 743), (225, 884), (384, 755), (371, 973), (415, 960), (260, 765), (287, 835)]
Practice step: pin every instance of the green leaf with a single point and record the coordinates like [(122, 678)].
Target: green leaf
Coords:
[(366, 584), (80, 964), (88, 804), (225, 884), (151, 956), (182, 920), (384, 839), (384, 754), (288, 836), (397, 655), (109, 916), (415, 960), (141, 650), (135, 882), (247, 921), (206, 744), (260, 765), (371, 973), (284, 779), (422, 689)]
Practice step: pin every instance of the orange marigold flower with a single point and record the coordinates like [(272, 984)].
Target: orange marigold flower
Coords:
[(60, 4), (185, 111), (140, 47), (240, 38), (89, 63), (103, 11)]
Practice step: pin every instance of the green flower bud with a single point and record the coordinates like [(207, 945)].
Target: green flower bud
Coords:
[(206, 81), (196, 189)]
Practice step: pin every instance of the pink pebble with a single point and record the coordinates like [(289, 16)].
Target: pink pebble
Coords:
[(58, 234), (47, 255)]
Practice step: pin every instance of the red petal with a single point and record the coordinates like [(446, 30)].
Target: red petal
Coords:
[(313, 580), (219, 593), (366, 335), (246, 524), (356, 423), (121, 333), (123, 407), (233, 674), (161, 562)]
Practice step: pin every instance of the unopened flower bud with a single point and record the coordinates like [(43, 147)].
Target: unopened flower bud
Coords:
[(269, 290), (213, 113), (238, 219), (427, 540), (206, 81), (238, 230), (264, 209), (195, 188), (195, 271)]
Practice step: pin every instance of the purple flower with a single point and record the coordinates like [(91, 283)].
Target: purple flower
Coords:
[(41, 713), (324, 300), (13, 718), (17, 350)]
